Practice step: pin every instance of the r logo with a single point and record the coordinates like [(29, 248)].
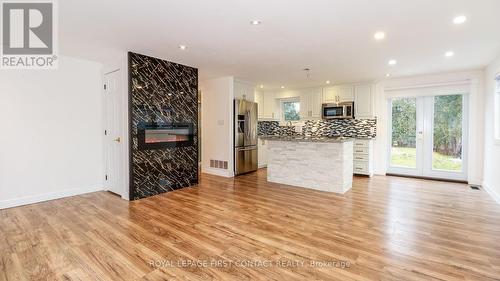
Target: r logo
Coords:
[(27, 28)]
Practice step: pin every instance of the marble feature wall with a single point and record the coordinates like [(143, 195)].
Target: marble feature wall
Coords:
[(357, 128), (161, 92)]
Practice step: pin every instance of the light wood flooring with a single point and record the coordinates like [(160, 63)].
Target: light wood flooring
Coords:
[(385, 228)]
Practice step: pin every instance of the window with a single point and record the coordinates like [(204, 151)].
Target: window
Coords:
[(497, 109), (291, 109)]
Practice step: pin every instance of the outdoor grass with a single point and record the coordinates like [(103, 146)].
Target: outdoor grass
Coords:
[(407, 157)]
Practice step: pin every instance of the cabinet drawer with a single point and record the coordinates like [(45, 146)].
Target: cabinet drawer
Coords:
[(361, 143), (362, 150), (360, 168), (361, 157)]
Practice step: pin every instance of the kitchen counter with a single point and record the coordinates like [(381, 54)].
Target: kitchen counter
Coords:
[(306, 139), (324, 164)]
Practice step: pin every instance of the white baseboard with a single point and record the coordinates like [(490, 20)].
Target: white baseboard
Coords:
[(491, 192), (262, 166), (9, 203), (217, 172)]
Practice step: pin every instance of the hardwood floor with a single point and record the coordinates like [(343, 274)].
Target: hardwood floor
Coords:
[(385, 228)]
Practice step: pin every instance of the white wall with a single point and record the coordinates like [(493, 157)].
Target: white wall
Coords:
[(476, 104), (51, 144), (216, 124), (491, 177)]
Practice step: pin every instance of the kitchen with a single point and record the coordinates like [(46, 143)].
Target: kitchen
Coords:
[(336, 121)]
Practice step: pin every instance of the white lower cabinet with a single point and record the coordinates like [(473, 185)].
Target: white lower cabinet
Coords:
[(262, 153), (363, 157)]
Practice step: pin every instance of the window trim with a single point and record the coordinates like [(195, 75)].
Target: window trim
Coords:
[(282, 101)]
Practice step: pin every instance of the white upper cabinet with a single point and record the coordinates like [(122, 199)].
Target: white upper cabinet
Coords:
[(363, 101), (305, 101), (341, 93), (311, 100), (310, 103), (259, 99), (266, 105), (316, 102), (345, 93), (330, 94), (244, 90), (269, 108)]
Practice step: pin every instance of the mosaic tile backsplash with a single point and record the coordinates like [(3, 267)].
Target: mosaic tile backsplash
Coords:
[(356, 128)]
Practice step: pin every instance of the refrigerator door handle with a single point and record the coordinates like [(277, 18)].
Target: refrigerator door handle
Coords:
[(249, 124), (246, 148)]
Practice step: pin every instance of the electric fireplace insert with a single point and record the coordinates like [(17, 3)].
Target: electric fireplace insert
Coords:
[(155, 136)]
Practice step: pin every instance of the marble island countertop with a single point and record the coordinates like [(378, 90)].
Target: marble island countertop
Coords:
[(306, 139)]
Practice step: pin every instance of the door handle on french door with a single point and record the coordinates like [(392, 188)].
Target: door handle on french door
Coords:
[(118, 140), (420, 135)]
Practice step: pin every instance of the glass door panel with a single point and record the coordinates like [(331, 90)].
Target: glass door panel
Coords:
[(403, 152), (447, 133), (428, 136)]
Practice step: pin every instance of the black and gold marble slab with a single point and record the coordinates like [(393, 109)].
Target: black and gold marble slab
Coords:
[(161, 92)]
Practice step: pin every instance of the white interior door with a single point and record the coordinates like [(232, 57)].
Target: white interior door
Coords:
[(428, 136), (112, 135)]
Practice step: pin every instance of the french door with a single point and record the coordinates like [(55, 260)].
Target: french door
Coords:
[(428, 136)]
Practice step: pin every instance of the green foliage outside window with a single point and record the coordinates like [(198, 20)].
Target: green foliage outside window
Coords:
[(291, 110), (404, 126), (447, 124)]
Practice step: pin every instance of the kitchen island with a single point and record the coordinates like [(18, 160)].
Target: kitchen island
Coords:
[(323, 163)]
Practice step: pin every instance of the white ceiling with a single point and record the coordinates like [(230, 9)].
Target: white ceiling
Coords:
[(332, 37)]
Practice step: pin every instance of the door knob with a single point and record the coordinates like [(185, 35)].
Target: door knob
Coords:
[(117, 139)]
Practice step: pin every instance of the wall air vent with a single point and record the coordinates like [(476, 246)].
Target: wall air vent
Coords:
[(219, 164)]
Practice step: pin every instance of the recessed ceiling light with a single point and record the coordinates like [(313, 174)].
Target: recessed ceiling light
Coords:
[(388, 75), (392, 62), (459, 19), (255, 22), (182, 47), (379, 35), (262, 86), (327, 81), (449, 54), (282, 87)]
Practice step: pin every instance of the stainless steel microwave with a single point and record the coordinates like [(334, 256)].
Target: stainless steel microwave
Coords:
[(342, 110)]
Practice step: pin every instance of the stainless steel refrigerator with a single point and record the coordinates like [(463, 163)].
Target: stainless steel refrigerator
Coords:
[(245, 137)]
